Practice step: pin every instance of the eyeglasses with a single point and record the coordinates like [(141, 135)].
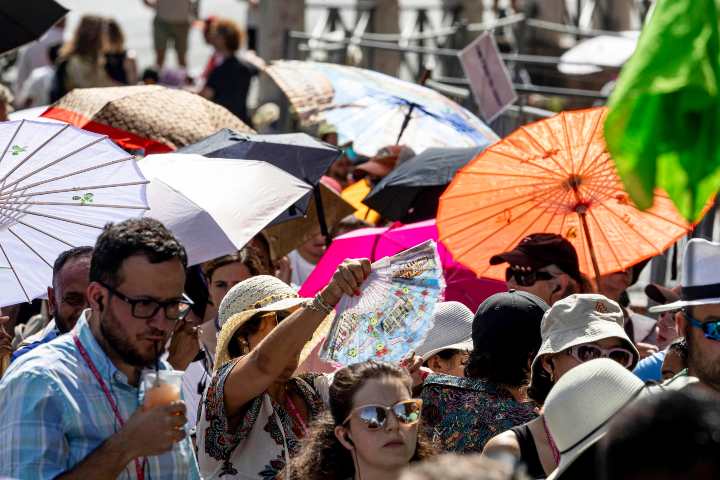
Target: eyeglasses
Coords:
[(527, 278), (585, 353), (144, 308), (710, 329), (374, 417)]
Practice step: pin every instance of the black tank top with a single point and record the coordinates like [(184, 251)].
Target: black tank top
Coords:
[(528, 451)]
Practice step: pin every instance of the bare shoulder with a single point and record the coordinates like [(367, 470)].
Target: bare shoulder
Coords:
[(506, 442)]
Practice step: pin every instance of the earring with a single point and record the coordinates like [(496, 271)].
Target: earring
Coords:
[(244, 346)]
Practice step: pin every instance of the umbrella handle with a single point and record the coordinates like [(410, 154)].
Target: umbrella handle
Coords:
[(405, 123), (591, 248)]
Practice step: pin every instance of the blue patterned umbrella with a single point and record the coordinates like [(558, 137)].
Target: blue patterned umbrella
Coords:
[(374, 110)]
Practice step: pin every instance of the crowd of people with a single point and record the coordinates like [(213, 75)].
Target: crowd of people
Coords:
[(543, 381), (557, 377), (95, 55)]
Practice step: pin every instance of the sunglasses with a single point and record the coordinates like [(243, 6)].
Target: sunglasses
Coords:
[(585, 353), (527, 278), (374, 417), (710, 329)]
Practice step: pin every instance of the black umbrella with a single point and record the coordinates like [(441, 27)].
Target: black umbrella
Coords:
[(410, 193), (24, 21), (297, 153)]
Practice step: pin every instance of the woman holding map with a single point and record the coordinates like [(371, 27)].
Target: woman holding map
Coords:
[(254, 412)]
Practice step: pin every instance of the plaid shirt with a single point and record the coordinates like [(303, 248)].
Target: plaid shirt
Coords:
[(54, 413)]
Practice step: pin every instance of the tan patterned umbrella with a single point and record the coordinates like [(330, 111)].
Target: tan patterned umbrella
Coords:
[(148, 119)]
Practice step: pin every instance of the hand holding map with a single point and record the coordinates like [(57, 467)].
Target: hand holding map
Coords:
[(394, 311)]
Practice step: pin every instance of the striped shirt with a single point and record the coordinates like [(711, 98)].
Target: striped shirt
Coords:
[(54, 412)]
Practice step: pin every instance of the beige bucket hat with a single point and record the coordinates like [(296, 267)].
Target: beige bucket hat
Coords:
[(581, 318), (258, 294), (580, 406)]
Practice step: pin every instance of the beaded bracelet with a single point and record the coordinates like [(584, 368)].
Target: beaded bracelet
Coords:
[(318, 304)]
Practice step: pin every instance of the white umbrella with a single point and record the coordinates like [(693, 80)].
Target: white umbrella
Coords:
[(59, 186), (216, 205), (598, 52)]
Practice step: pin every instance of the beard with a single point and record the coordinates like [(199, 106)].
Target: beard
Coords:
[(705, 369), (118, 340)]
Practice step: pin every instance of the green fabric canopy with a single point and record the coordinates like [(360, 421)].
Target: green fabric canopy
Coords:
[(663, 128)]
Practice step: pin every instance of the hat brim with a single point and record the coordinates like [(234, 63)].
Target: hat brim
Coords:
[(684, 303), (514, 257), (464, 345), (375, 169), (568, 458), (222, 354), (605, 329), (660, 294)]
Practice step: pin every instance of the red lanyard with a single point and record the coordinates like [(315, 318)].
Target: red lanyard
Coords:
[(551, 441), (139, 471), (295, 413)]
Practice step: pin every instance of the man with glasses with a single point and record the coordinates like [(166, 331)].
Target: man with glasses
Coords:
[(66, 297), (699, 305), (544, 264), (72, 407)]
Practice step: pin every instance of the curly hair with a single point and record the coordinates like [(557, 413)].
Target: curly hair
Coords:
[(323, 457), (137, 236)]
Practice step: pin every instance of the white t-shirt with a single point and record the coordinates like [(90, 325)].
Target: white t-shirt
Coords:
[(301, 268), (37, 87)]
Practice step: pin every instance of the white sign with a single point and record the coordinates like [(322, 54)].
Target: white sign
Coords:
[(489, 78)]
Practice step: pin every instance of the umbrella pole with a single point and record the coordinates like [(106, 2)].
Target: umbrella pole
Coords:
[(405, 123), (591, 248), (321, 214)]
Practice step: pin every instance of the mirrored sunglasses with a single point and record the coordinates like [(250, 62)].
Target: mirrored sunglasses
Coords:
[(710, 329), (374, 417), (585, 353)]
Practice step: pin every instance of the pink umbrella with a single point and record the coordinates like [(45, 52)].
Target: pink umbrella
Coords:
[(375, 243)]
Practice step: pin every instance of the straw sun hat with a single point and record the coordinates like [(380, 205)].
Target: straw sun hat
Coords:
[(582, 403), (578, 319), (258, 294)]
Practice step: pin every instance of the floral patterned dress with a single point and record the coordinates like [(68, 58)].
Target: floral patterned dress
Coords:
[(462, 414), (265, 439)]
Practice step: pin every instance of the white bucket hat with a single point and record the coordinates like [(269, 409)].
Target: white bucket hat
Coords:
[(700, 278), (581, 318), (452, 330), (582, 403)]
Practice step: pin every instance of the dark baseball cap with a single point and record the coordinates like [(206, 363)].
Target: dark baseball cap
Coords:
[(661, 295), (539, 250), (513, 316)]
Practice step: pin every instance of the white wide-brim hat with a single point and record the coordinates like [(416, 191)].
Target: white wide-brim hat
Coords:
[(580, 406), (700, 277), (452, 330)]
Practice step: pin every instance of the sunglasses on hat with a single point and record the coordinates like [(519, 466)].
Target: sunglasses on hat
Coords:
[(526, 278), (374, 417), (587, 352), (710, 329)]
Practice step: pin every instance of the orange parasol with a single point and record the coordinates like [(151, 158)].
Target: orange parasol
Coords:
[(553, 176)]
